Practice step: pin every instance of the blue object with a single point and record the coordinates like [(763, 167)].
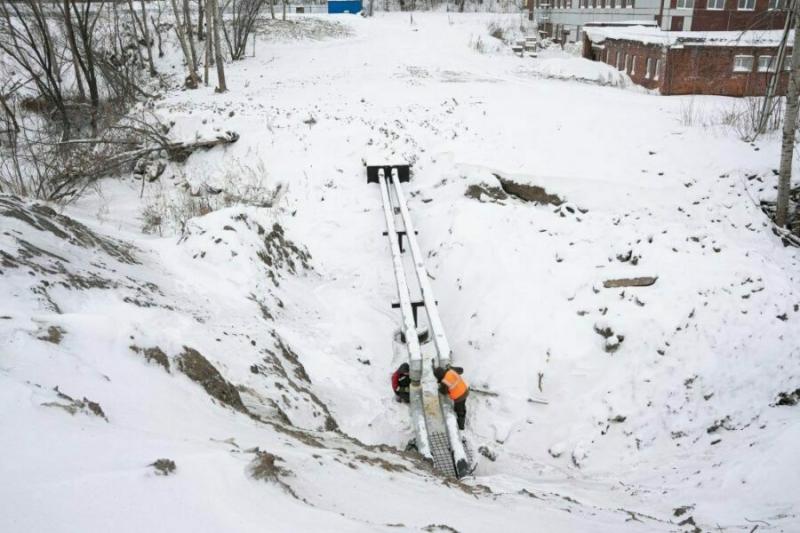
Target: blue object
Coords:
[(345, 6)]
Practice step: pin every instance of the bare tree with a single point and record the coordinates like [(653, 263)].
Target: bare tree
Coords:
[(207, 55), (158, 26), (192, 79), (83, 46), (73, 46), (215, 10), (135, 30), (26, 40), (244, 14), (789, 127), (147, 40), (187, 14), (200, 12)]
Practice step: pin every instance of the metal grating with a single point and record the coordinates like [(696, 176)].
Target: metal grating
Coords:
[(442, 457)]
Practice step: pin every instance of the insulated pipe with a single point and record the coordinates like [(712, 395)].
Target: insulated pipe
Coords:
[(412, 342), (439, 338)]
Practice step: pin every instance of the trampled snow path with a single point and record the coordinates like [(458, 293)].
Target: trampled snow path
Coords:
[(679, 413)]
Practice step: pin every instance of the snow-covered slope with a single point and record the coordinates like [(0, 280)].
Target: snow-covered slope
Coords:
[(271, 328)]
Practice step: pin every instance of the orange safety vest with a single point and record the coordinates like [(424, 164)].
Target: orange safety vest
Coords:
[(456, 386)]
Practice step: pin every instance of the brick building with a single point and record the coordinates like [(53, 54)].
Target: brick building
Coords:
[(721, 63), (566, 19)]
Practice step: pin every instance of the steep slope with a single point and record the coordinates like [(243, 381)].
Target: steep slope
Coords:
[(143, 389)]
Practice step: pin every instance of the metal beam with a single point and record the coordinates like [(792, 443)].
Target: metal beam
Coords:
[(412, 341), (437, 329)]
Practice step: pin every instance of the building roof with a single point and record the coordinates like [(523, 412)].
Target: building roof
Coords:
[(650, 35), (598, 24)]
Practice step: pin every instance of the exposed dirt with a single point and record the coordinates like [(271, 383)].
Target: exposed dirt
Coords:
[(528, 193), (73, 406), (382, 463), (44, 218), (198, 369), (164, 467), (264, 468), (154, 354), (54, 335), (483, 192)]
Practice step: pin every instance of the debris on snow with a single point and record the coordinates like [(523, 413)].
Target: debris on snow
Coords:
[(73, 406), (644, 281), (164, 467)]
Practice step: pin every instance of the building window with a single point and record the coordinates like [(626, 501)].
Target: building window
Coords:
[(627, 63), (775, 4), (619, 60), (747, 5), (633, 68), (743, 63), (658, 69), (767, 64), (648, 72), (688, 4), (716, 4)]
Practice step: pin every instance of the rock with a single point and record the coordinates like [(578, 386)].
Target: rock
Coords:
[(788, 398), (54, 335), (164, 467), (488, 453), (198, 369), (645, 281)]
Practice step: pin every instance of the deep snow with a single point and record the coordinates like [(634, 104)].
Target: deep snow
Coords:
[(679, 415)]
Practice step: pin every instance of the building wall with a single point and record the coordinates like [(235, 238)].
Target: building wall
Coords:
[(731, 18), (569, 15), (709, 70), (688, 69), (625, 55), (573, 18)]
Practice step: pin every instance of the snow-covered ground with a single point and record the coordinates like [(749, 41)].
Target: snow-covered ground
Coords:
[(267, 330)]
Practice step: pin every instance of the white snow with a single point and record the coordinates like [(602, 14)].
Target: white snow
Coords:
[(649, 35), (679, 414)]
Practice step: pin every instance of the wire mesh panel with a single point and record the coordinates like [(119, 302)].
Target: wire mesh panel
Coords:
[(442, 457)]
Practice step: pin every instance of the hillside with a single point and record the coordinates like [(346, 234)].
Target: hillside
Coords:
[(250, 342)]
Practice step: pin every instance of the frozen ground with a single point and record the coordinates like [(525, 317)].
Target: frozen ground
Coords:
[(661, 400)]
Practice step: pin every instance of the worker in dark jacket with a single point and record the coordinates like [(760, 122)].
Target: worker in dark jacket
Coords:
[(400, 383), (452, 384)]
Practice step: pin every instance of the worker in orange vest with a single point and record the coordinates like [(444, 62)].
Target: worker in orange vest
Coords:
[(452, 384)]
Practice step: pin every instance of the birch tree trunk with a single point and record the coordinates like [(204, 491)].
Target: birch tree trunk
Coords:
[(221, 85), (789, 126)]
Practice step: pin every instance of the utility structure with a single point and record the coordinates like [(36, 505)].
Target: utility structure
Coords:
[(432, 417)]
